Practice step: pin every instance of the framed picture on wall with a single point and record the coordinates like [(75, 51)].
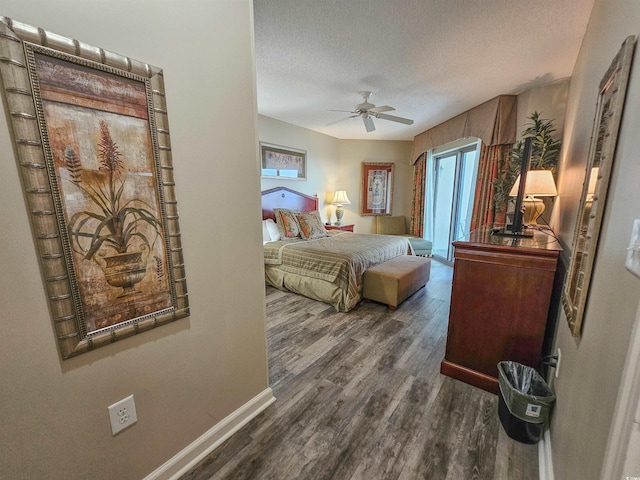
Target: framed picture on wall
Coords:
[(283, 162), (93, 150), (376, 188)]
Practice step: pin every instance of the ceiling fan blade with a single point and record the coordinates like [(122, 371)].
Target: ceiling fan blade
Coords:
[(368, 124), (344, 111), (341, 119), (383, 108), (393, 118)]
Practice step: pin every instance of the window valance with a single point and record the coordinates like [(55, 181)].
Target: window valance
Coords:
[(494, 122)]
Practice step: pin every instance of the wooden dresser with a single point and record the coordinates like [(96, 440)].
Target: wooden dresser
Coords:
[(500, 302)]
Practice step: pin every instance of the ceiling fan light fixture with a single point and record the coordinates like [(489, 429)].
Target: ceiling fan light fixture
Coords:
[(367, 110), (368, 123)]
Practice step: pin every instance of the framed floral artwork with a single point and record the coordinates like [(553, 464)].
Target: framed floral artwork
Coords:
[(376, 189), (93, 148)]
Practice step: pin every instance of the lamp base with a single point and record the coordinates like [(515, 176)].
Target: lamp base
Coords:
[(533, 208), (339, 214)]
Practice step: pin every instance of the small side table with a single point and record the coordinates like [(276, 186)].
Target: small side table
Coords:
[(344, 228)]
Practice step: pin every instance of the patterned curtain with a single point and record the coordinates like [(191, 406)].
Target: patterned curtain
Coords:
[(419, 188), (494, 162)]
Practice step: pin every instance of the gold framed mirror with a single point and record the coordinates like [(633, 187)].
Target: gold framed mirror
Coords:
[(611, 95)]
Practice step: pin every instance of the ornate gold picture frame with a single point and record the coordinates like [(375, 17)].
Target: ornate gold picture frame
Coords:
[(92, 143), (376, 188)]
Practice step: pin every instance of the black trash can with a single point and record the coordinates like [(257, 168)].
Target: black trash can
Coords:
[(525, 401)]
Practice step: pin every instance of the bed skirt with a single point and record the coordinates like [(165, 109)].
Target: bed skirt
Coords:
[(314, 288)]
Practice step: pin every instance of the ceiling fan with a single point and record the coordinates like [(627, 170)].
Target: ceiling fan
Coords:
[(368, 110)]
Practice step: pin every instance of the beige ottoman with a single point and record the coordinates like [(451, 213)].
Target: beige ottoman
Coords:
[(395, 280)]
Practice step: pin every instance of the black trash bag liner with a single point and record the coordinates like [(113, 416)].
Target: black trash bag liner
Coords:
[(526, 394)]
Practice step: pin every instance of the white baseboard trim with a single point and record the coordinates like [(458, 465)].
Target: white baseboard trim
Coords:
[(188, 457), (545, 463)]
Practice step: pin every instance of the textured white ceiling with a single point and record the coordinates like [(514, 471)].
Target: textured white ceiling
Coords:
[(430, 59)]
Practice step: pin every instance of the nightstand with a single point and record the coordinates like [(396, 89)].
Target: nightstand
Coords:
[(344, 228)]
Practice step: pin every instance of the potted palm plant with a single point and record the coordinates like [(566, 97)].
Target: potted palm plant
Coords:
[(545, 152), (116, 232)]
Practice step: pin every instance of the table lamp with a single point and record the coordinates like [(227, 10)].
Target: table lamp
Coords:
[(339, 199), (540, 183)]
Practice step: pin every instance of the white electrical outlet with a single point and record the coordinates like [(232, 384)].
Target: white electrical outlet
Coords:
[(558, 363), (633, 252), (122, 414)]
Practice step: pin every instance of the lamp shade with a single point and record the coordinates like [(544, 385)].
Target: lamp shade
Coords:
[(340, 198), (539, 184)]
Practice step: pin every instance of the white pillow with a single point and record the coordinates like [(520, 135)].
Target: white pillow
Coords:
[(272, 228), (266, 236)]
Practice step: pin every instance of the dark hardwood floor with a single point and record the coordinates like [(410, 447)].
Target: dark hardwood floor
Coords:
[(359, 396)]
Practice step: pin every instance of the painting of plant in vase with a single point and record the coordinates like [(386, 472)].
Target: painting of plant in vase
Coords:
[(100, 139)]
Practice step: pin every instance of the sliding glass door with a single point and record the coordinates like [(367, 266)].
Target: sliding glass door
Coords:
[(451, 198), (444, 194)]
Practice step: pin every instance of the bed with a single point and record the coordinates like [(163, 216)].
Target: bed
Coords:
[(329, 265)]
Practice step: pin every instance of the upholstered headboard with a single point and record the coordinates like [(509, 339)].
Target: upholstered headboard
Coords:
[(283, 197)]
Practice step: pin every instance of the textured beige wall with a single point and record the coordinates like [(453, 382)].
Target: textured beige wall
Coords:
[(322, 160), (186, 376), (592, 364), (352, 154), (334, 164)]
